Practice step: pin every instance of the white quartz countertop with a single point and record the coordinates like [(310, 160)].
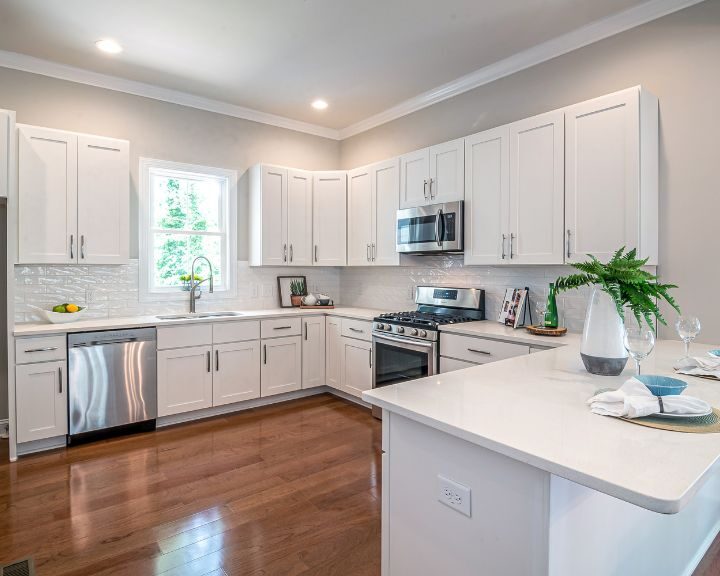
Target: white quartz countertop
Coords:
[(533, 409), (39, 329)]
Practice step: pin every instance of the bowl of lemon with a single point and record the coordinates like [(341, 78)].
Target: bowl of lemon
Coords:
[(62, 313)]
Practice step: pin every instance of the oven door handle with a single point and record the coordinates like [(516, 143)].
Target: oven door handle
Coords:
[(405, 341)]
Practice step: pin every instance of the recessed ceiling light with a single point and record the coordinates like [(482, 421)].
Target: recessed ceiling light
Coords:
[(319, 104), (109, 46)]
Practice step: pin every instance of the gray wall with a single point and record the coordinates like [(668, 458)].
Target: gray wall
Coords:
[(166, 131), (678, 59)]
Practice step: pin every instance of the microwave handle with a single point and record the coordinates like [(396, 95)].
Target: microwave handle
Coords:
[(439, 232)]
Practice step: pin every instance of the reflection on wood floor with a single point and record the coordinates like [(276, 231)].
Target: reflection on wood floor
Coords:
[(287, 489)]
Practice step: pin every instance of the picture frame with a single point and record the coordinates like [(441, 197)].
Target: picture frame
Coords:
[(514, 307), (284, 292)]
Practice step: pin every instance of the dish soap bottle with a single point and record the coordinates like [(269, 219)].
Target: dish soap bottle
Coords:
[(551, 312)]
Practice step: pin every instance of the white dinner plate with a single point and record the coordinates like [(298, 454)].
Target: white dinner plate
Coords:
[(664, 415)]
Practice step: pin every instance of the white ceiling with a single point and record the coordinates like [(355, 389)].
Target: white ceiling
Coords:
[(276, 56)]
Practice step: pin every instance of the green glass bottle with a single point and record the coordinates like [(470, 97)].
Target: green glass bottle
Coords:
[(551, 312)]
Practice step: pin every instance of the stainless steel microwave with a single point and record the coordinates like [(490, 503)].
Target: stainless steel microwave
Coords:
[(430, 229)]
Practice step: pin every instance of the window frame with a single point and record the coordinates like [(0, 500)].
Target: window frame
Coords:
[(149, 293)]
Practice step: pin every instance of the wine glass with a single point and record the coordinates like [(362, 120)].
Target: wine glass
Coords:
[(639, 342), (540, 308), (688, 327)]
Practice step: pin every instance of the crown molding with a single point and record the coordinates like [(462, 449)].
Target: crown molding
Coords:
[(34, 65), (548, 50)]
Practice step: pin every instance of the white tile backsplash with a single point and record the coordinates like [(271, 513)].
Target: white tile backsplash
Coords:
[(111, 291)]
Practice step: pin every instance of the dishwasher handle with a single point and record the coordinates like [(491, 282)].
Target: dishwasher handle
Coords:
[(103, 342)]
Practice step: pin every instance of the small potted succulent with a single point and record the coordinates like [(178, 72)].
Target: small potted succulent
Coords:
[(297, 291), (187, 284)]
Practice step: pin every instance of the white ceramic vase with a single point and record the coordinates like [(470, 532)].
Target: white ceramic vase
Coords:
[(602, 349)]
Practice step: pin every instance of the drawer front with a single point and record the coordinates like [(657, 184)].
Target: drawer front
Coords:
[(278, 327), (451, 364), (184, 336), (479, 350), (40, 349), (359, 329), (225, 332)]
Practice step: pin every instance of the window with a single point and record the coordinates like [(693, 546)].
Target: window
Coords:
[(187, 211)]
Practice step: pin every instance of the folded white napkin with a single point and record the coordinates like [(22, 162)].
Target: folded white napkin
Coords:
[(634, 400), (699, 366)]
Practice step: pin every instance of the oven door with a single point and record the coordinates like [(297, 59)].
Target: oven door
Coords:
[(398, 359), (427, 229)]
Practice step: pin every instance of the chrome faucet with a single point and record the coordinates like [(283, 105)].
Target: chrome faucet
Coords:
[(194, 284)]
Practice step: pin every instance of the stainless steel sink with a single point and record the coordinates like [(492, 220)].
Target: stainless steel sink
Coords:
[(198, 316)]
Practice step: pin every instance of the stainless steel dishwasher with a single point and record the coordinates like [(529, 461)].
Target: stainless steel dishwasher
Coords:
[(112, 382)]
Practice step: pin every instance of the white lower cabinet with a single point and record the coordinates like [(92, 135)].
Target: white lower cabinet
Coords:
[(333, 352), (452, 364), (313, 351), (356, 366), (281, 365), (184, 379), (458, 351), (41, 400), (237, 372)]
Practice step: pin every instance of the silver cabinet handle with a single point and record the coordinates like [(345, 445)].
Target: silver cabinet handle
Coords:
[(72, 247), (367, 252), (284, 252), (502, 243), (438, 224), (217, 361), (374, 251), (264, 353), (425, 192), (568, 243), (357, 330), (430, 183), (512, 254), (59, 379), (41, 350), (291, 253), (479, 352), (82, 246), (306, 336), (316, 256), (370, 359), (209, 369), (282, 327)]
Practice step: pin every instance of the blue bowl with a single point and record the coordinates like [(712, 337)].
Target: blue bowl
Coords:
[(662, 385), (715, 353)]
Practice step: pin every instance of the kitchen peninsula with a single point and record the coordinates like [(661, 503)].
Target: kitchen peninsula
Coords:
[(552, 489)]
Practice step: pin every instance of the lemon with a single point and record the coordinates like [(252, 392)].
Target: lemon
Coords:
[(72, 308), (59, 308)]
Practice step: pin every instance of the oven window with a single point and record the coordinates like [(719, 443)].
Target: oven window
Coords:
[(395, 364)]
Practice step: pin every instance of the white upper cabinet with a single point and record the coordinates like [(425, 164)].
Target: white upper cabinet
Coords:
[(268, 215), (7, 131), (611, 171), (47, 196), (537, 190), (432, 175), (103, 200), (447, 172), (373, 197), (329, 218), (487, 196), (299, 217), (73, 197)]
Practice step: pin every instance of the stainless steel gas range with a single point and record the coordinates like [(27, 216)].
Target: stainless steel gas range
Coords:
[(406, 345)]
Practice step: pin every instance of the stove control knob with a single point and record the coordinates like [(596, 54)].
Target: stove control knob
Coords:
[(414, 332), (400, 330), (380, 326), (423, 333)]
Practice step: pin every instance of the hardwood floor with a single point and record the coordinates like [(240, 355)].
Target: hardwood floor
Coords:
[(288, 489)]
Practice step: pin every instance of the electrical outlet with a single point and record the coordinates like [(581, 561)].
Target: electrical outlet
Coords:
[(411, 292), (254, 290), (454, 495)]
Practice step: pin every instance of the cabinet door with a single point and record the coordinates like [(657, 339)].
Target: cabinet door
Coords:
[(274, 217), (7, 131), (184, 380), (281, 365), (333, 352), (602, 176), (447, 172), (356, 366), (537, 190), (41, 400), (313, 352), (103, 200), (299, 218), (237, 372), (47, 196), (360, 221), (329, 219), (452, 364), (414, 175), (487, 196), (386, 199)]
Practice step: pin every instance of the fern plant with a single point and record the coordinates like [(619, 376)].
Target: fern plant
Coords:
[(627, 284)]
